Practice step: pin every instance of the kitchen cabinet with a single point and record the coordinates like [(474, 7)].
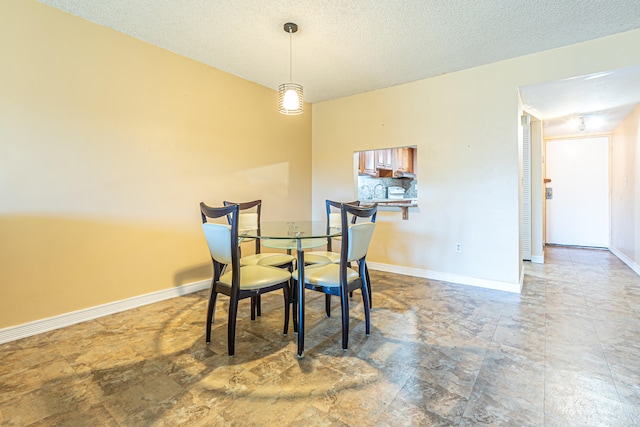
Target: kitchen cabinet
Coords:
[(384, 159), (403, 160), (388, 162), (367, 163)]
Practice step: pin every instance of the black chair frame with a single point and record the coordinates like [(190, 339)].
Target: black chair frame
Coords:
[(234, 292), (362, 282), (329, 204), (256, 304)]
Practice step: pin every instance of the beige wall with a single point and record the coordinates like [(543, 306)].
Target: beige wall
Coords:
[(466, 128), (625, 188), (107, 145)]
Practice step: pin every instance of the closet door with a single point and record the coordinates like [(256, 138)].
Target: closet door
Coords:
[(525, 215)]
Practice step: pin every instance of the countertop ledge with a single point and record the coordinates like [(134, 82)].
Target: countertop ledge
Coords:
[(403, 204), (390, 202)]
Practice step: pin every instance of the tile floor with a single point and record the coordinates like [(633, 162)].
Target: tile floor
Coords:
[(566, 352)]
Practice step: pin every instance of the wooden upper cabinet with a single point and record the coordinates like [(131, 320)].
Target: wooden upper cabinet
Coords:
[(386, 163), (384, 158), (367, 163), (404, 160)]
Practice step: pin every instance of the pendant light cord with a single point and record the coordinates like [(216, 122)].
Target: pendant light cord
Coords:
[(290, 58)]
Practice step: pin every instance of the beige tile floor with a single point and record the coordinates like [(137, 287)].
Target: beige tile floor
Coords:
[(566, 352)]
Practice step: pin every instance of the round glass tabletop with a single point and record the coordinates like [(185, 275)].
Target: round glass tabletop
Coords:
[(287, 234)]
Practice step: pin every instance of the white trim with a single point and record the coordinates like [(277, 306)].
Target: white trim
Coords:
[(13, 333), (448, 277), (538, 259), (635, 267)]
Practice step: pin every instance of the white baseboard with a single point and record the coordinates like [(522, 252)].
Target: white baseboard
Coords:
[(17, 332), (448, 277), (13, 333), (538, 259), (631, 263)]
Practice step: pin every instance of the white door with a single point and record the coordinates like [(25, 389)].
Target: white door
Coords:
[(578, 210)]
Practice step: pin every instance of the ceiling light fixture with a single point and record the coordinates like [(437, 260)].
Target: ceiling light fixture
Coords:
[(582, 125), (290, 99)]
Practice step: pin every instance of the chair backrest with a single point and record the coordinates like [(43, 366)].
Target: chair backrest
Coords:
[(334, 219), (218, 237), (356, 236), (248, 218), (222, 239), (359, 239)]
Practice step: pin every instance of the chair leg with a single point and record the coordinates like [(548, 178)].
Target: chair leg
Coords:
[(366, 298), (327, 304), (344, 304), (366, 294), (258, 306), (233, 315), (211, 310), (366, 273), (294, 305), (291, 285), (287, 306), (350, 293), (253, 309)]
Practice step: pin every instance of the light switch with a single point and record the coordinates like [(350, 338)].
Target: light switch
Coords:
[(549, 193)]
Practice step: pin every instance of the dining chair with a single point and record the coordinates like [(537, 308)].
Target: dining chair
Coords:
[(249, 219), (340, 279), (333, 221), (329, 256), (230, 277)]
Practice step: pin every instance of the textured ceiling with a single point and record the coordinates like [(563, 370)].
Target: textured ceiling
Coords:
[(345, 47)]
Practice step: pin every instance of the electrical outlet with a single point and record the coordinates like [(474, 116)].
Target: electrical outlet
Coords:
[(458, 247)]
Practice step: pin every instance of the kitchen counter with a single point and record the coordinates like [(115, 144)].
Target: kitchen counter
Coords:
[(391, 202), (403, 204)]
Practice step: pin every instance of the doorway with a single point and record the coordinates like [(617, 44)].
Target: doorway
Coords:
[(577, 196)]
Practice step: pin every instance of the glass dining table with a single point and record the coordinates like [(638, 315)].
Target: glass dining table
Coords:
[(298, 236)]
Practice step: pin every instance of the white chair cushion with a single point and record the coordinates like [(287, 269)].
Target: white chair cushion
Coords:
[(248, 221), (321, 257), (266, 259), (335, 220), (257, 276), (359, 238), (219, 240), (326, 275)]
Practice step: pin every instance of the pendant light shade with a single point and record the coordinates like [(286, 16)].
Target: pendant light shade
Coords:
[(290, 98)]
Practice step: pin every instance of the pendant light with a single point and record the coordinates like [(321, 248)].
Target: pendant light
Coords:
[(290, 99)]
